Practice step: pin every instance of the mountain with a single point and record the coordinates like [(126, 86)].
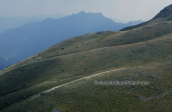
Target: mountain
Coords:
[(29, 39), (162, 16), (17, 21), (118, 20), (132, 23), (106, 71)]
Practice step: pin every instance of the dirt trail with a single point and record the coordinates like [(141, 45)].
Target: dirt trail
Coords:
[(87, 77), (94, 75)]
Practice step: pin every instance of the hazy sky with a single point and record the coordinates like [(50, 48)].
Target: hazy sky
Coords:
[(121, 9)]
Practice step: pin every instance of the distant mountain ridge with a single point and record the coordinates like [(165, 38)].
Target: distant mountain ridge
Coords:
[(118, 20), (132, 23), (32, 38), (17, 21)]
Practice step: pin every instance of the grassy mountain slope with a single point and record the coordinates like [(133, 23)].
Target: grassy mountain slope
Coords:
[(83, 95), (65, 68), (63, 76)]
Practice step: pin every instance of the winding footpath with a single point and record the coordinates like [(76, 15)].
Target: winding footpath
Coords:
[(94, 75), (88, 77)]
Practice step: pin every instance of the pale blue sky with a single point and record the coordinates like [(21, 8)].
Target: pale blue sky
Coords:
[(121, 9)]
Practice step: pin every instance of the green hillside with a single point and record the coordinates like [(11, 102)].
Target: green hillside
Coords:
[(63, 76)]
